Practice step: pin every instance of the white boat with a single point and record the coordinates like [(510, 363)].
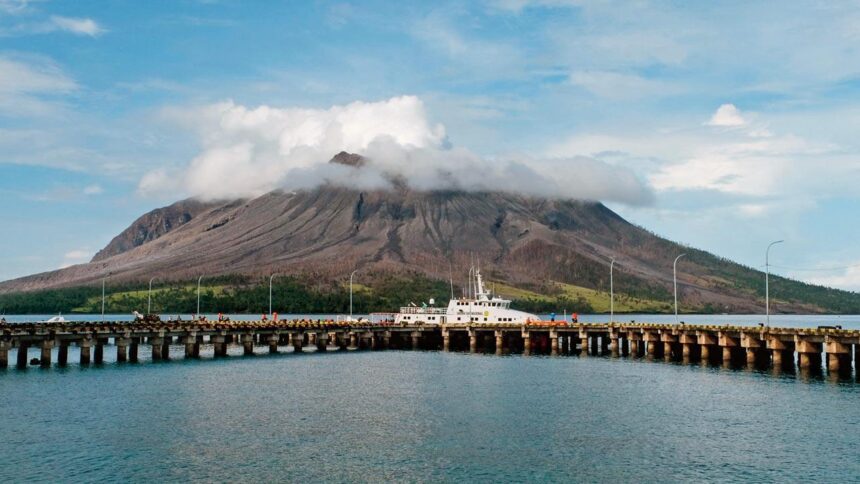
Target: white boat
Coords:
[(56, 319), (478, 306)]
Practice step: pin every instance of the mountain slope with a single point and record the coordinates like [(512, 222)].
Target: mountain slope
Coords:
[(537, 244)]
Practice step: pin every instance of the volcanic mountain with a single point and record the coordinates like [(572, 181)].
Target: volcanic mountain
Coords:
[(519, 241)]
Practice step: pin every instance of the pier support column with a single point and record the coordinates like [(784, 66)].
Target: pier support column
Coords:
[(583, 343), (386, 340), (353, 340), (4, 354), (857, 360), (751, 356), (219, 344), (527, 343), (634, 348), (156, 342), (838, 355), (446, 339), (273, 343), (165, 347), (473, 341), (686, 351), (84, 346), (727, 342), (416, 340), (132, 350), (23, 349), (45, 360), (752, 342), (776, 355), (500, 342), (613, 343), (298, 342), (652, 339), (322, 342), (727, 355), (707, 341), (808, 351), (99, 355), (63, 353), (553, 343), (121, 350), (248, 344)]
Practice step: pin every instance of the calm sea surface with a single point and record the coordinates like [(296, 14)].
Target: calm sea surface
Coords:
[(424, 416)]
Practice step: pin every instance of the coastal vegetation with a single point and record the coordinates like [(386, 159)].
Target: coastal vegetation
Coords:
[(387, 292)]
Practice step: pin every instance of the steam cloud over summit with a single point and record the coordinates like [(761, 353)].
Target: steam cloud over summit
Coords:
[(247, 152)]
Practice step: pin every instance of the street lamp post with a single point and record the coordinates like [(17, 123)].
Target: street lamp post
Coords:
[(199, 279), (767, 280), (350, 293), (675, 281), (611, 292), (149, 298), (271, 278)]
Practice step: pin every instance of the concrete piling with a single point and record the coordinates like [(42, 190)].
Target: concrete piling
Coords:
[(23, 349), (132, 350), (84, 346), (121, 350), (45, 360), (4, 354), (63, 353)]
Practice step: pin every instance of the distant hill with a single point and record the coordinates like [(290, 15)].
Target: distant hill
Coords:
[(531, 247)]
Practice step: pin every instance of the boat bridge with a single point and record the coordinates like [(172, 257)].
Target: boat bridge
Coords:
[(761, 347)]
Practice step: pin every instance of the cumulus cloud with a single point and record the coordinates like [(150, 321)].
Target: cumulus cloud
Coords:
[(727, 115), (249, 151)]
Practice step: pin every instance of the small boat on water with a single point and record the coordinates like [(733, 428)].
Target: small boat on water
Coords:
[(56, 319), (477, 306)]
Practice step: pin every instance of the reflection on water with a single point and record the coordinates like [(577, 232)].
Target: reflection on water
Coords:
[(421, 416)]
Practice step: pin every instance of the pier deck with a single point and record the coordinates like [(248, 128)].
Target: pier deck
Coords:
[(761, 347)]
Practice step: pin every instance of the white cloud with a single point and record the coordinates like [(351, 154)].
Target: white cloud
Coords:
[(727, 115), (14, 7), (28, 86), (76, 256), (247, 152), (614, 85), (93, 190), (78, 26), (847, 277)]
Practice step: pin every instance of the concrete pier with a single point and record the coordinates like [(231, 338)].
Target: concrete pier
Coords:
[(818, 350)]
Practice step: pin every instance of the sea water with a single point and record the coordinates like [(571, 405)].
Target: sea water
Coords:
[(423, 416)]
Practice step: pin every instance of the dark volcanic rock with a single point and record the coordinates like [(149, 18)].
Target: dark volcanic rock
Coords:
[(152, 226)]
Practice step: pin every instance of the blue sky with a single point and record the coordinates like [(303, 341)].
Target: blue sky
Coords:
[(724, 125)]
